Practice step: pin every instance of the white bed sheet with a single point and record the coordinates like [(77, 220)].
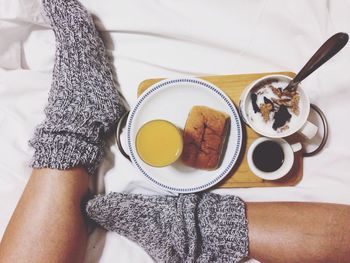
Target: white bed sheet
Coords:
[(150, 39)]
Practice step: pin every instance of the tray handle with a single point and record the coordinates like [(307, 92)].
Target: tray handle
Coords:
[(121, 124), (325, 132)]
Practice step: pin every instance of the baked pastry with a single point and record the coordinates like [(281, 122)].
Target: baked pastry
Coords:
[(204, 135)]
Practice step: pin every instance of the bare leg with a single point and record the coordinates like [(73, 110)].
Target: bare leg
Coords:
[(83, 107), (299, 232), (47, 225)]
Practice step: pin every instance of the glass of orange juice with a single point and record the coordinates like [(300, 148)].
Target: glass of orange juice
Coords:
[(159, 143)]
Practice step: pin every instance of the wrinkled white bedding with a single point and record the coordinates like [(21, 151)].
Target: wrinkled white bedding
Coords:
[(153, 38)]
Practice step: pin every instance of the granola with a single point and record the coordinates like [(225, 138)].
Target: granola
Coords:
[(277, 106), (265, 109)]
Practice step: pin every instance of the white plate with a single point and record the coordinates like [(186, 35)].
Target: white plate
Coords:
[(172, 100)]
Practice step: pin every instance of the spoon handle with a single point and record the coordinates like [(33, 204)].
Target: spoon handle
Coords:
[(331, 47)]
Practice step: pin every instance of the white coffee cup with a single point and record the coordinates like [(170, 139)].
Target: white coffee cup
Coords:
[(298, 123), (288, 158)]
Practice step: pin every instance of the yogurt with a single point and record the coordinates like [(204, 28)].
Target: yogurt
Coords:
[(256, 118)]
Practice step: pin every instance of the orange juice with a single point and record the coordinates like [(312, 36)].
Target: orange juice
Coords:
[(159, 143)]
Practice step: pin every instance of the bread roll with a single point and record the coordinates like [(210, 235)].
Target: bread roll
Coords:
[(204, 135)]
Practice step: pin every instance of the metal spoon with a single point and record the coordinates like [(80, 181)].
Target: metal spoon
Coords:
[(331, 47)]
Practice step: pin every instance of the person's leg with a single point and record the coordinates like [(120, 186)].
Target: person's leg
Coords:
[(83, 109), (299, 232), (47, 225), (224, 228)]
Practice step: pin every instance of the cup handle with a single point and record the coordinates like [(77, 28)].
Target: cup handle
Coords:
[(120, 126), (309, 130)]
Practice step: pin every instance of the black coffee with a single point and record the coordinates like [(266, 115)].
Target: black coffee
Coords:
[(268, 156)]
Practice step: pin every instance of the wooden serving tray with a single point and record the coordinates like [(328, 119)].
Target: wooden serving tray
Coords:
[(240, 175)]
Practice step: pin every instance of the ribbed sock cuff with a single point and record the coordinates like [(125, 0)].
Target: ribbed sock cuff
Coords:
[(64, 151), (224, 228)]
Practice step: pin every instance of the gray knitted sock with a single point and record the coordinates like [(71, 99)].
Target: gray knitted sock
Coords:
[(83, 103), (188, 228)]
